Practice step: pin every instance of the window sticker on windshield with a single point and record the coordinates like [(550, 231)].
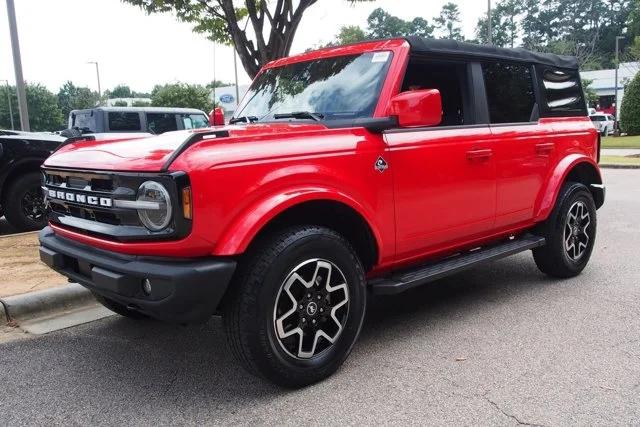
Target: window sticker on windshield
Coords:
[(380, 57)]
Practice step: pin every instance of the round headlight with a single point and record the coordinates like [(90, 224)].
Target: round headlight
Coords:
[(158, 215)]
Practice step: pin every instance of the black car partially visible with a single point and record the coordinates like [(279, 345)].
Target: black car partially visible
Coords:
[(21, 199)]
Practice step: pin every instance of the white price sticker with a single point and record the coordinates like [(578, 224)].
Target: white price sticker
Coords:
[(380, 57)]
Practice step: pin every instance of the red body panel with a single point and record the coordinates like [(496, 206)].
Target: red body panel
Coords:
[(444, 188)]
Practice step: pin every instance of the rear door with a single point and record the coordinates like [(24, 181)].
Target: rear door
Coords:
[(523, 144)]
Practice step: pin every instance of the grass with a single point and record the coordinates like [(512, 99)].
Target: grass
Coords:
[(619, 160), (621, 142)]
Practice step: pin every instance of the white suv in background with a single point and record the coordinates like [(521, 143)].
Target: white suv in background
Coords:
[(605, 123)]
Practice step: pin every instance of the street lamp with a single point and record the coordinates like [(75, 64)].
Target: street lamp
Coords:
[(9, 103), (23, 109), (98, 76), (618, 38)]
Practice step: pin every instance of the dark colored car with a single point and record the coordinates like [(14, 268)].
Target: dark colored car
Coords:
[(21, 154), (154, 120)]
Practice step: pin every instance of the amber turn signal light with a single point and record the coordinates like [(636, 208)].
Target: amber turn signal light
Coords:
[(186, 202)]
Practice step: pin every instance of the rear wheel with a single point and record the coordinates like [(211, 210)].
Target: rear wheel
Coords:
[(297, 306), (570, 232), (24, 203)]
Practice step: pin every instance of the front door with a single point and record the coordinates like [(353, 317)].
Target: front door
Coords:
[(445, 189)]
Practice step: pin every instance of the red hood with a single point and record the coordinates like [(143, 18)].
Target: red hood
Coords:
[(150, 154)]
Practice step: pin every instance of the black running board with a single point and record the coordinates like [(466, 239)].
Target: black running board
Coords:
[(407, 279)]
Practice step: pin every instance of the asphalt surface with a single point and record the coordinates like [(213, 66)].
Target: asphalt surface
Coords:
[(501, 344)]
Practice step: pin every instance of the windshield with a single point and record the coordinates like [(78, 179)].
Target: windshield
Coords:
[(342, 87), (597, 118), (195, 121)]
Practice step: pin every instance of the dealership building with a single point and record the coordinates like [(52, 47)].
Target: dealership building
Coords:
[(603, 83)]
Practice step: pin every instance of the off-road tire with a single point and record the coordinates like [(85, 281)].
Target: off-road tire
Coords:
[(120, 309), (553, 258), (14, 199), (249, 310)]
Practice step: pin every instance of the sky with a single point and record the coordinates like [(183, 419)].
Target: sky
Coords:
[(58, 38)]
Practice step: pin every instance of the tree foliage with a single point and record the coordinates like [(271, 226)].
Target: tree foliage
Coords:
[(449, 22), (272, 24), (44, 112), (381, 24), (181, 95), (120, 91), (350, 34), (630, 109), (505, 29), (72, 97)]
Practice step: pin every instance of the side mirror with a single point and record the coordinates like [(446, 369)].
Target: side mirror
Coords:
[(417, 108), (216, 117)]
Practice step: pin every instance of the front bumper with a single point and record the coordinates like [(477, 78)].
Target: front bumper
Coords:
[(182, 290)]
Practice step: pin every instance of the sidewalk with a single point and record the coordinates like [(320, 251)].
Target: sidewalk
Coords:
[(20, 268), (620, 152)]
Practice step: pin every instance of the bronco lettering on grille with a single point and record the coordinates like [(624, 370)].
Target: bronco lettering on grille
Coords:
[(105, 202)]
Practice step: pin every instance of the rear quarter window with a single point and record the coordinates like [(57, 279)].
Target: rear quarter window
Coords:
[(561, 92)]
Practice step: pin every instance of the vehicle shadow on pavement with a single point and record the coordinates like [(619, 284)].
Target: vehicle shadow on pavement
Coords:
[(145, 363)]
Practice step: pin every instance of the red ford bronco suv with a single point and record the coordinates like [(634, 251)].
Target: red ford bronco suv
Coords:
[(369, 168)]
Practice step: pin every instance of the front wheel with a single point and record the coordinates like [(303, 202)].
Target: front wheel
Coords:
[(297, 306), (24, 203), (570, 232)]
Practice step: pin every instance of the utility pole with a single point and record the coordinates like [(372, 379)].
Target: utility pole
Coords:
[(17, 65), (489, 22), (9, 103), (235, 69), (618, 38), (214, 75), (98, 76)]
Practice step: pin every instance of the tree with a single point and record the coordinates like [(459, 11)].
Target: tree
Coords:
[(71, 97), (121, 103), (350, 34), (590, 94), (273, 24), (630, 108), (120, 91), (505, 27), (381, 25), (140, 103), (181, 95), (449, 22), (44, 112), (217, 83)]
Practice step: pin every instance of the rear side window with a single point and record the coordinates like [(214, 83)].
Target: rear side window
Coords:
[(510, 92), (562, 93), (123, 121), (84, 120), (195, 121), (161, 122)]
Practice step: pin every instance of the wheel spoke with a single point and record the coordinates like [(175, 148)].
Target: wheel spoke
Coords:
[(310, 307), (575, 235)]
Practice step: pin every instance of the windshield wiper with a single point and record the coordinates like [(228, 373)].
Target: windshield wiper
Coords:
[(300, 115), (243, 119)]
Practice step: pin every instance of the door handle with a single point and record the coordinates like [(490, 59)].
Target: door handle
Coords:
[(481, 154), (545, 147)]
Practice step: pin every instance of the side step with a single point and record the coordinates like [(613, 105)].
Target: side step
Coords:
[(407, 279)]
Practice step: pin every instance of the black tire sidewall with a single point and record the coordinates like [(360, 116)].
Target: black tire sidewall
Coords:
[(279, 363), (13, 202), (573, 193)]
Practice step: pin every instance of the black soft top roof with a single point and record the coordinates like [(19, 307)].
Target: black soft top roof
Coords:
[(452, 47)]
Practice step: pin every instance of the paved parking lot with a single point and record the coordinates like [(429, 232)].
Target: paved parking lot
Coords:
[(501, 344)]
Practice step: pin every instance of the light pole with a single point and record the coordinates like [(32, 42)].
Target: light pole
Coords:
[(17, 65), (618, 38), (9, 102), (489, 21), (98, 76)]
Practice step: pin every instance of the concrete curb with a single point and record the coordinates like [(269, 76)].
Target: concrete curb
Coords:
[(620, 166), (47, 302)]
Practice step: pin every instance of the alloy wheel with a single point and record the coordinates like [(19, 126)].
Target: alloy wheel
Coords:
[(576, 236), (33, 205), (311, 309)]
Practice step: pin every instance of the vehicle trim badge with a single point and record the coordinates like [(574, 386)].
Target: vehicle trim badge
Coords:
[(381, 164)]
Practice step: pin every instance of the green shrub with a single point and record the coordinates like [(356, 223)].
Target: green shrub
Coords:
[(630, 108)]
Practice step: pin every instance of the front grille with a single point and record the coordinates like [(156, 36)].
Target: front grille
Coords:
[(85, 202)]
